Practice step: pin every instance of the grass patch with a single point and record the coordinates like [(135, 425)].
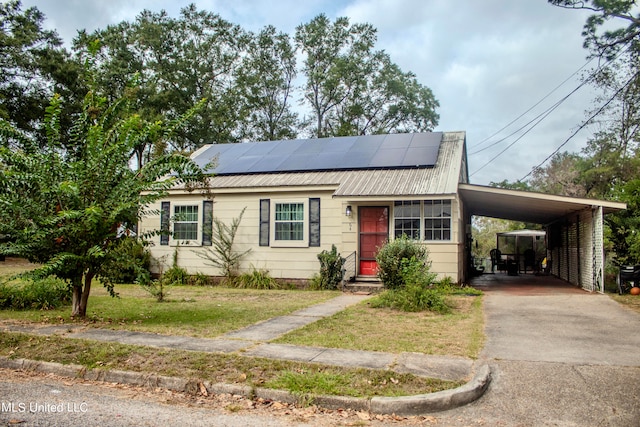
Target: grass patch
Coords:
[(630, 301), (193, 311), (361, 327), (285, 375)]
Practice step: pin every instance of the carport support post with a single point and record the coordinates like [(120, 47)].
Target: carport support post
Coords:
[(578, 248), (597, 248)]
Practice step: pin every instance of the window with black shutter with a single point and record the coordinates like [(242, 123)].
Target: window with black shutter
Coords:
[(314, 222), (165, 214), (264, 222), (207, 223)]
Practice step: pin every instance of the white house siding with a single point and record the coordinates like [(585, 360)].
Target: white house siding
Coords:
[(281, 262), (297, 262), (445, 256)]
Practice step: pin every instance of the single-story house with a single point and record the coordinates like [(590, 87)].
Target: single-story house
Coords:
[(300, 197)]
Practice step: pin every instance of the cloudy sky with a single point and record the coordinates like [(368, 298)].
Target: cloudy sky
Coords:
[(488, 62)]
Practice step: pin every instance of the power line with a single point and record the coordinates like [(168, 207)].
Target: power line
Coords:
[(582, 126), (548, 111), (545, 113), (531, 108)]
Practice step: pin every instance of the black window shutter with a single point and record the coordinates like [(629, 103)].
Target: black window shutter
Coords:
[(165, 214), (264, 221), (207, 222), (314, 222)]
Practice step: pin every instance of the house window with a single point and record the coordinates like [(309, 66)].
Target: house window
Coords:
[(185, 224), (289, 221), (437, 220), (406, 215)]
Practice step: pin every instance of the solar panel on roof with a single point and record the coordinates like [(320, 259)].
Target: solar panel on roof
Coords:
[(352, 152)]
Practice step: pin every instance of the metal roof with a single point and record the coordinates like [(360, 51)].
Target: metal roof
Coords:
[(399, 150), (526, 206), (449, 169)]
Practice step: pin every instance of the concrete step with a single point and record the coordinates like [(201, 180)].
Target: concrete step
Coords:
[(369, 285)]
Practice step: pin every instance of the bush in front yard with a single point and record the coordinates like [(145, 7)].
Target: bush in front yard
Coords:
[(331, 272), (417, 292), (127, 262), (390, 256), (40, 294)]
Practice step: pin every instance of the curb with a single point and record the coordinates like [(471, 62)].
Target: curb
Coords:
[(402, 406)]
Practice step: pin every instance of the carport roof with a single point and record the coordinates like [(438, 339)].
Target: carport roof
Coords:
[(526, 206)]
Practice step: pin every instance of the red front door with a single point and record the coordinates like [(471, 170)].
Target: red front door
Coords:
[(374, 233)]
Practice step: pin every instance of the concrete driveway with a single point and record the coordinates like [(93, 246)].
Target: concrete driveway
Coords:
[(560, 357)]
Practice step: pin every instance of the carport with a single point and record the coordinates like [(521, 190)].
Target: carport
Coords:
[(574, 227)]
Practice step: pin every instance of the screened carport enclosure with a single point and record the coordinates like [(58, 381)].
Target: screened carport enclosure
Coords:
[(574, 227), (526, 249)]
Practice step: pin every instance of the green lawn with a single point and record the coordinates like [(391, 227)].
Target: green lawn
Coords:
[(212, 311), (361, 327), (194, 311)]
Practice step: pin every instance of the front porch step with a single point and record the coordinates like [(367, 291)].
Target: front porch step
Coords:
[(364, 284)]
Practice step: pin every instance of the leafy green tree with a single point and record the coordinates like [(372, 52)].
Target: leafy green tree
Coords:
[(561, 176), (34, 66), (332, 51), (385, 99), (177, 61), (265, 82), (608, 42), (70, 211), (610, 163), (625, 225), (352, 89)]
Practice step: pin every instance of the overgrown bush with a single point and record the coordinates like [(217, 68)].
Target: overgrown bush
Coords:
[(418, 292), (40, 294), (199, 279), (256, 279), (175, 276), (390, 258), (331, 273), (413, 298), (129, 260)]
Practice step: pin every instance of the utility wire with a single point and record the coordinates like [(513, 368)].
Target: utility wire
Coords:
[(531, 108), (582, 126), (544, 114), (539, 118)]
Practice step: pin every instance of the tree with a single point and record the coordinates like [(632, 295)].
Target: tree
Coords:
[(331, 50), (610, 166), (608, 43), (178, 61), (71, 210), (354, 90), (222, 254), (561, 176), (624, 226), (385, 99), (265, 82), (34, 66)]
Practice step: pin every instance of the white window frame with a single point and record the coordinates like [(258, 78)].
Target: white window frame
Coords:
[(305, 224), (411, 218), (186, 242), (423, 219), (441, 218)]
